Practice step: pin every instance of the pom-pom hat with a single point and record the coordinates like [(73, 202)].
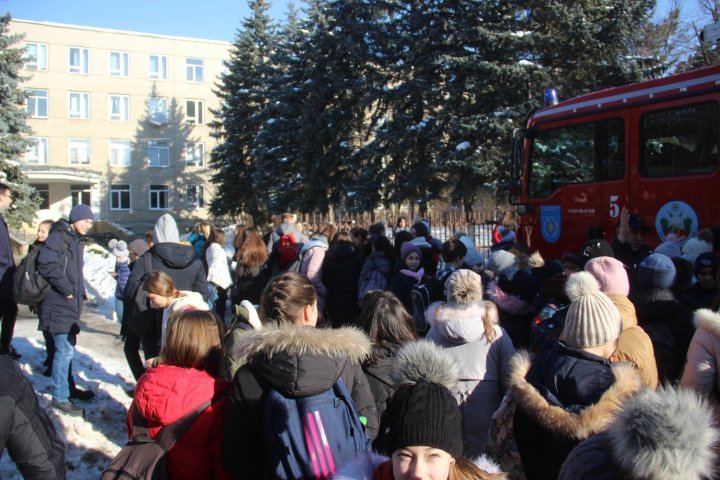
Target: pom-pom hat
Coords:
[(610, 274), (592, 318)]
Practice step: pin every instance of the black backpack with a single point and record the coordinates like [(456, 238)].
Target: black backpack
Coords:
[(423, 293), (29, 287), (144, 458)]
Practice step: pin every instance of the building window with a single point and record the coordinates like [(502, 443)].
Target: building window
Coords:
[(120, 153), (79, 60), (195, 154), (119, 64), (119, 107), (36, 56), (194, 111), (158, 67), (119, 196), (79, 151), (194, 69), (158, 153), (157, 110), (194, 196), (43, 191), (80, 194), (37, 103), (159, 197), (79, 105), (37, 153)]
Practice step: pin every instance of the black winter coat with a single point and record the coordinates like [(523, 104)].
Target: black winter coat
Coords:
[(379, 376), (401, 285), (25, 428), (7, 262), (296, 361), (341, 272), (250, 282), (60, 261)]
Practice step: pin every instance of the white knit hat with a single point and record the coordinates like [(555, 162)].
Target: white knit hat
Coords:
[(592, 318), (501, 260)]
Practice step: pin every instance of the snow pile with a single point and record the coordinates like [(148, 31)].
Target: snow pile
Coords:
[(99, 283)]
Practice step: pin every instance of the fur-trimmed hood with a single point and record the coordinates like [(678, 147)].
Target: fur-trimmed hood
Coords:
[(626, 309), (577, 426), (457, 324), (300, 361), (511, 304), (708, 320)]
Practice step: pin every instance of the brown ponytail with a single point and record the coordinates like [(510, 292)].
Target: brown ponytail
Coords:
[(284, 298), (160, 283)]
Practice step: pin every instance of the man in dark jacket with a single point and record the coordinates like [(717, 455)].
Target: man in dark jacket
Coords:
[(60, 261), (629, 245), (26, 430), (8, 307), (180, 263)]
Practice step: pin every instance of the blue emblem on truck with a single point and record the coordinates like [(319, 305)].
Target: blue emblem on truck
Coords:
[(550, 223)]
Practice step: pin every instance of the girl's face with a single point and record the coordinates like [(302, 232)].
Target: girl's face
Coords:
[(158, 301), (42, 232), (421, 463), (413, 261)]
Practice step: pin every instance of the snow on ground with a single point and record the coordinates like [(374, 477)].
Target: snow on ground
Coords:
[(99, 365)]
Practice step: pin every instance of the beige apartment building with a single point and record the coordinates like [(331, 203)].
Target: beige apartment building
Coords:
[(120, 121)]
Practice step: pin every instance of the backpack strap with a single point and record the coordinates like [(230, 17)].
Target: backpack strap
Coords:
[(170, 434), (147, 263)]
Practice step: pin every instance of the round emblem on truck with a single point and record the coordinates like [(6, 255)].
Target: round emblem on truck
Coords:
[(677, 218)]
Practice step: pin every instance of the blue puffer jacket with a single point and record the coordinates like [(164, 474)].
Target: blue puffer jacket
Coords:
[(123, 273), (60, 261)]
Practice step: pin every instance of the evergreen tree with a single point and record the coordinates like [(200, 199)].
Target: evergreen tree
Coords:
[(242, 93), (13, 128)]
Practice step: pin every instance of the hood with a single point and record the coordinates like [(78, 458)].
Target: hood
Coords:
[(508, 303), (317, 241), (165, 393), (63, 225), (302, 361), (341, 250), (708, 320), (165, 230), (455, 324), (188, 301), (626, 309), (286, 229), (577, 426), (175, 255), (665, 435), (420, 242)]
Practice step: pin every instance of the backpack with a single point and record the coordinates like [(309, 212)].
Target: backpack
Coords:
[(144, 458), (547, 326), (422, 295), (143, 324), (372, 280), (29, 287), (309, 437), (288, 249)]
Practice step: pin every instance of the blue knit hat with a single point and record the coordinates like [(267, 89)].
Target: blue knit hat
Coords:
[(81, 212), (656, 271)]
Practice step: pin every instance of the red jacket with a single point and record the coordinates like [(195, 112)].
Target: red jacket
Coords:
[(164, 394)]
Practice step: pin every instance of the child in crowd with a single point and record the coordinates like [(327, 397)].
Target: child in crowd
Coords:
[(187, 376), (218, 271), (408, 275), (453, 254), (122, 273), (42, 234)]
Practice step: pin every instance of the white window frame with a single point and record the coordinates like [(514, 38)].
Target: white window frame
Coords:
[(83, 60), (157, 192), (79, 109), (79, 145), (33, 102), (158, 110), (194, 69), (199, 197), (123, 104), (123, 63), (120, 153), (195, 154), (162, 67), (37, 152), (40, 62), (115, 194), (154, 151), (199, 107)]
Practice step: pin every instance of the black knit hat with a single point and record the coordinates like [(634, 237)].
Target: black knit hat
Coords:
[(421, 414)]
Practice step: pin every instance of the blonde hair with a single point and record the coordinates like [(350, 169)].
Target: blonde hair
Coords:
[(464, 469), (160, 283), (193, 339)]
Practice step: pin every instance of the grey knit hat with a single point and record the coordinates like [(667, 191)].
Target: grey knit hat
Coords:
[(592, 318)]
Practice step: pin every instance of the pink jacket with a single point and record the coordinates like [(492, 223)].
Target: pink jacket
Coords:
[(701, 370)]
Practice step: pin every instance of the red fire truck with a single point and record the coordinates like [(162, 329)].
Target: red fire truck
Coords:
[(650, 146)]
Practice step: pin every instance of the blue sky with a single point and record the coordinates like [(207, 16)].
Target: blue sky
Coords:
[(212, 19)]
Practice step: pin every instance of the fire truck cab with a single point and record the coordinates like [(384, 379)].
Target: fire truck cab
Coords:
[(650, 146)]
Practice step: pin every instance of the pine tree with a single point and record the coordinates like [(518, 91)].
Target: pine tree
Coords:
[(13, 129), (242, 93)]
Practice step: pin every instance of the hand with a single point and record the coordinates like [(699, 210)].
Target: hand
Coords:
[(69, 297), (624, 228)]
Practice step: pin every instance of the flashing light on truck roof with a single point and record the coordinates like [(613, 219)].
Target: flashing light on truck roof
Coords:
[(551, 97)]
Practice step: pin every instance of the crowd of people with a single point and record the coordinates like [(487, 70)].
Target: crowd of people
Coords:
[(445, 362)]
